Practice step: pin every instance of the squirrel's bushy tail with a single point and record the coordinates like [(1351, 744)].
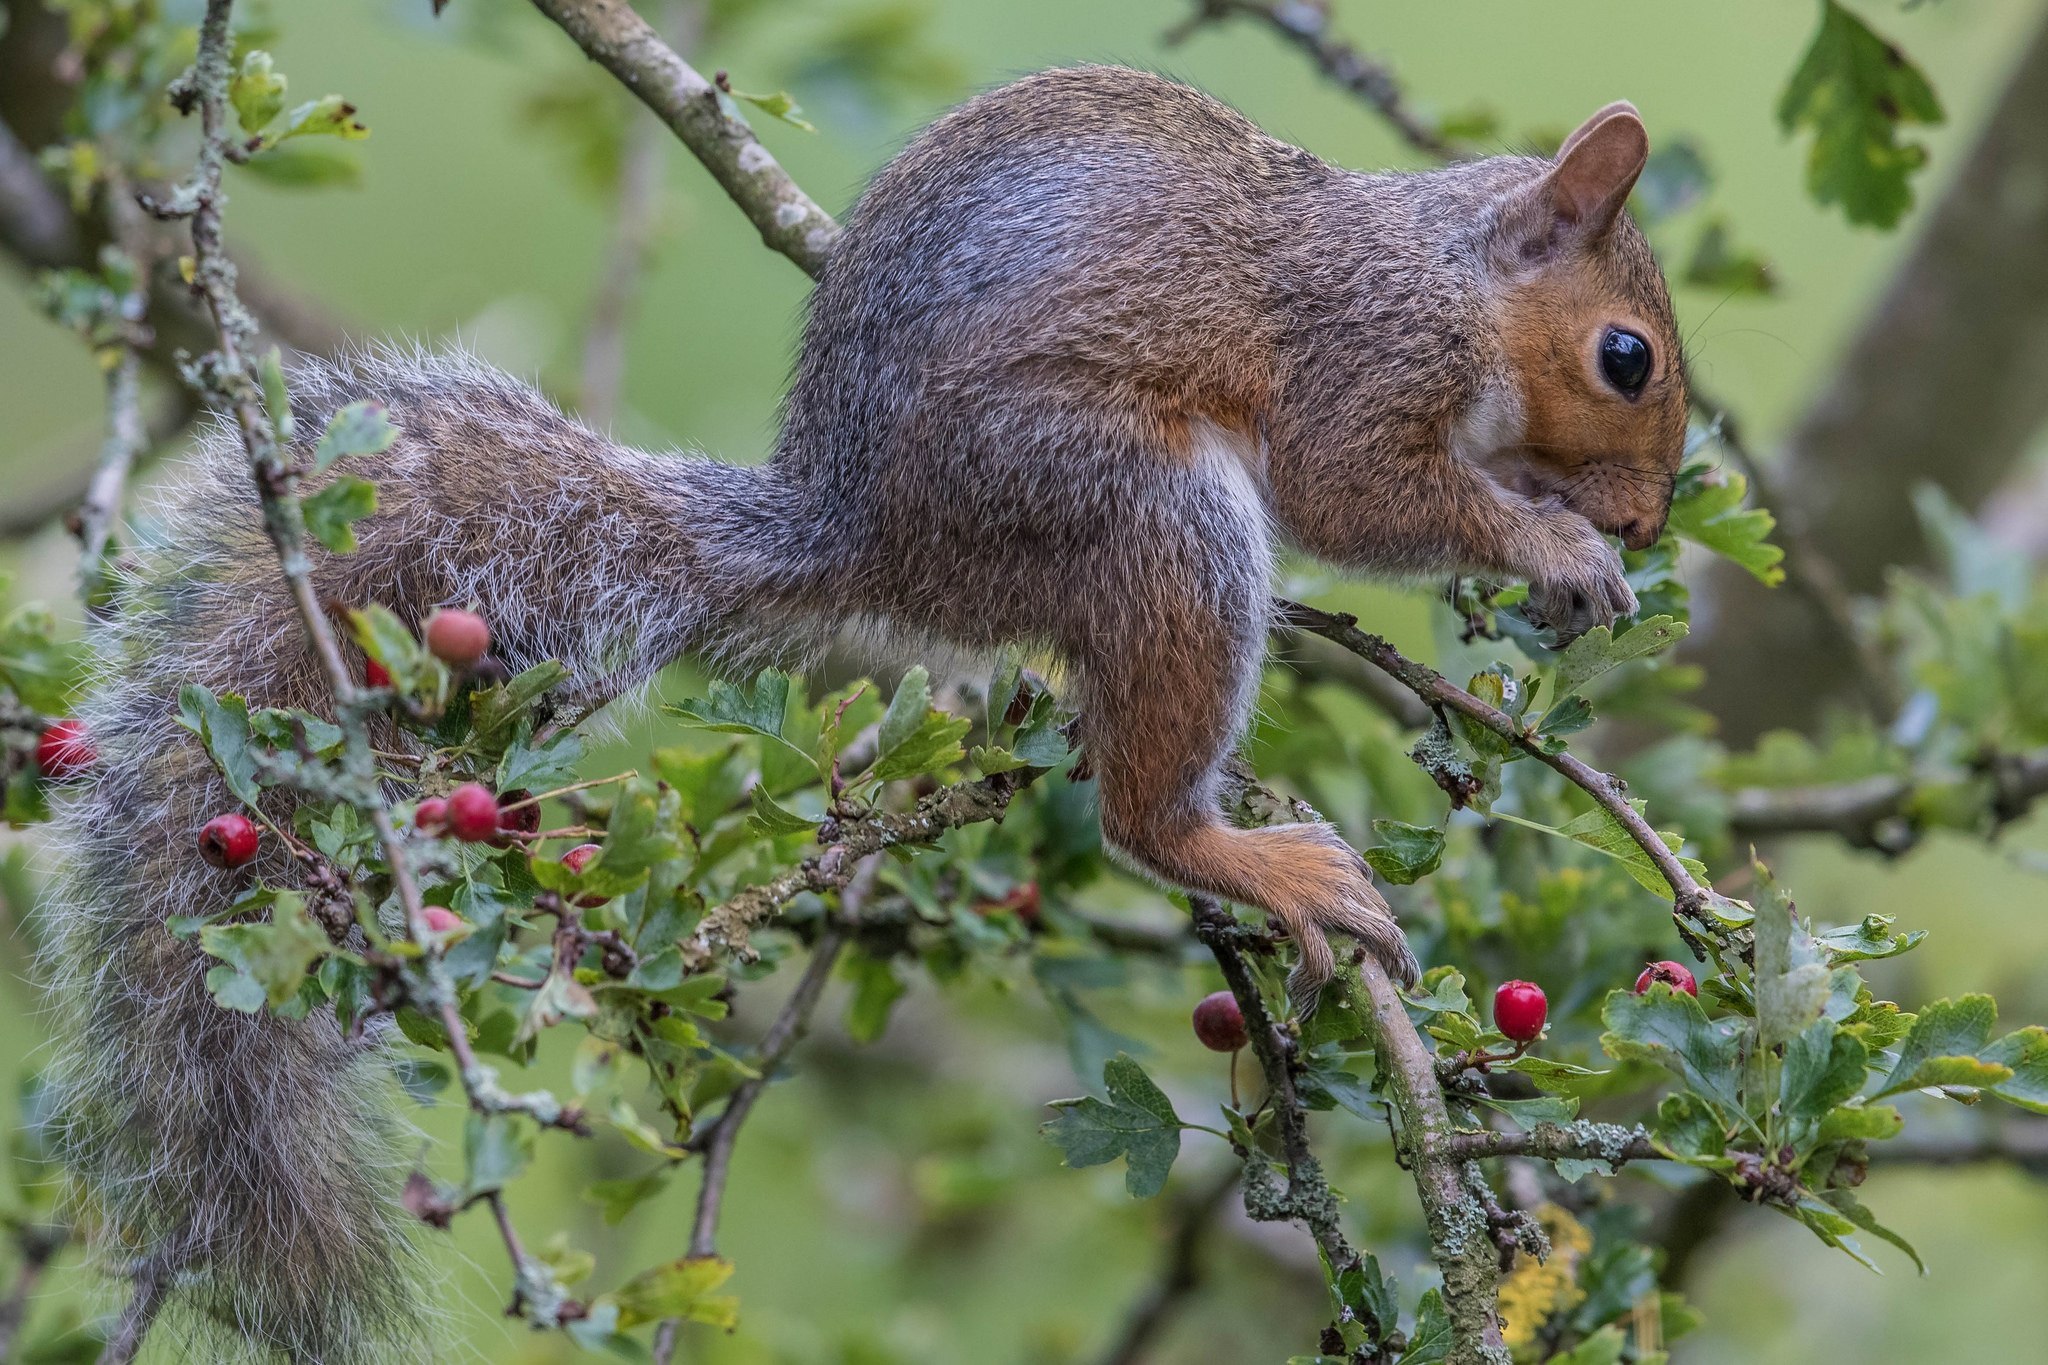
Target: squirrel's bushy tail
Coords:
[(249, 1158), (242, 1161)]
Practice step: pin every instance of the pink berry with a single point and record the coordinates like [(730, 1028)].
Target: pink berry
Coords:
[(1673, 974), (440, 919), (457, 637), (376, 674), (65, 750), (1519, 1008), (1219, 1023), (430, 816), (229, 840), (472, 813), (576, 859)]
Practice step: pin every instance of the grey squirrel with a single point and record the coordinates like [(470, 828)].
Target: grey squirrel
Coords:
[(1091, 349)]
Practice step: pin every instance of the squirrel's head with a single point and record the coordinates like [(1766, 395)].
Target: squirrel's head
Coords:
[(1592, 352)]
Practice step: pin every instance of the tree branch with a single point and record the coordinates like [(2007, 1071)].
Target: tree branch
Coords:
[(611, 34), (1875, 812)]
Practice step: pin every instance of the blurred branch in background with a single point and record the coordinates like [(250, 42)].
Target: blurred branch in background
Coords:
[(1307, 26), (1944, 383), (1191, 1219), (636, 223)]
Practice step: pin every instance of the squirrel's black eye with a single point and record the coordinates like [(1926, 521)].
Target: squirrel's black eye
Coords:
[(1624, 359)]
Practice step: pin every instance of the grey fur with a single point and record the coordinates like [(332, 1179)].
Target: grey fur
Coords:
[(1090, 350)]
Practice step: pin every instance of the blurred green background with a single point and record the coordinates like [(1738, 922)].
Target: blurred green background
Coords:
[(894, 1203)]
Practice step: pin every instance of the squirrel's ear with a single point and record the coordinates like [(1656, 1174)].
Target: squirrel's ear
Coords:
[(1596, 168)]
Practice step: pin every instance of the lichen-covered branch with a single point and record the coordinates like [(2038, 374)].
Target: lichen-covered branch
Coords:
[(843, 846), (1580, 1141), (611, 34)]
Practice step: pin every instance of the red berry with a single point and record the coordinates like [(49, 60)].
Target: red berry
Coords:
[(229, 840), (514, 818), (472, 813), (376, 674), (1676, 975), (1021, 900), (576, 859), (430, 816), (65, 749), (1519, 1008), (457, 637), (1219, 1023), (440, 918)]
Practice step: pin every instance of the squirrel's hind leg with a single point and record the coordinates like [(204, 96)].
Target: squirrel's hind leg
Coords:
[(1169, 669)]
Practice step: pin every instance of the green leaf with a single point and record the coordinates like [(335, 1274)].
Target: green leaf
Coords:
[(495, 708), (1430, 1342), (1410, 853), (495, 1149), (680, 1289), (1674, 179), (876, 989), (276, 952), (2025, 1053), (1566, 717), (257, 92), (222, 724), (778, 105), (358, 429), (617, 1198), (1824, 1068), (1604, 1347), (1708, 510), (1718, 264), (1136, 1122), (1792, 983), (1692, 1132), (1856, 91), (330, 511), (1866, 941), (1669, 1028), (328, 116), (1598, 829), (1942, 1048), (44, 671), (386, 639), (757, 709), (1600, 650), (914, 739), (772, 818)]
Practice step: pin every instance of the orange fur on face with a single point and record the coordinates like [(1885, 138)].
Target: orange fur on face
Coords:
[(1610, 456)]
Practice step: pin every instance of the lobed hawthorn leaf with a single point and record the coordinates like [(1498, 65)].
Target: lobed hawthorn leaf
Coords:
[(617, 1198), (257, 92), (1669, 1028), (1598, 829), (358, 429), (1792, 982), (502, 705), (1707, 510), (680, 1289), (758, 709), (331, 512), (778, 105), (1942, 1048), (1856, 90), (1363, 1291), (222, 724), (1410, 853), (1600, 650), (1430, 1342), (1870, 940), (914, 739), (1691, 1132), (772, 818), (1136, 1122), (1823, 1069), (328, 116), (305, 167)]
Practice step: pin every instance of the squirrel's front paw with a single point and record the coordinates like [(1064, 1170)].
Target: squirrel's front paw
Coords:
[(1326, 887), (1592, 592)]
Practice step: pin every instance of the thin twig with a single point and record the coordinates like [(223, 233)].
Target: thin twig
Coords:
[(1690, 900), (782, 1036), (1307, 26)]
